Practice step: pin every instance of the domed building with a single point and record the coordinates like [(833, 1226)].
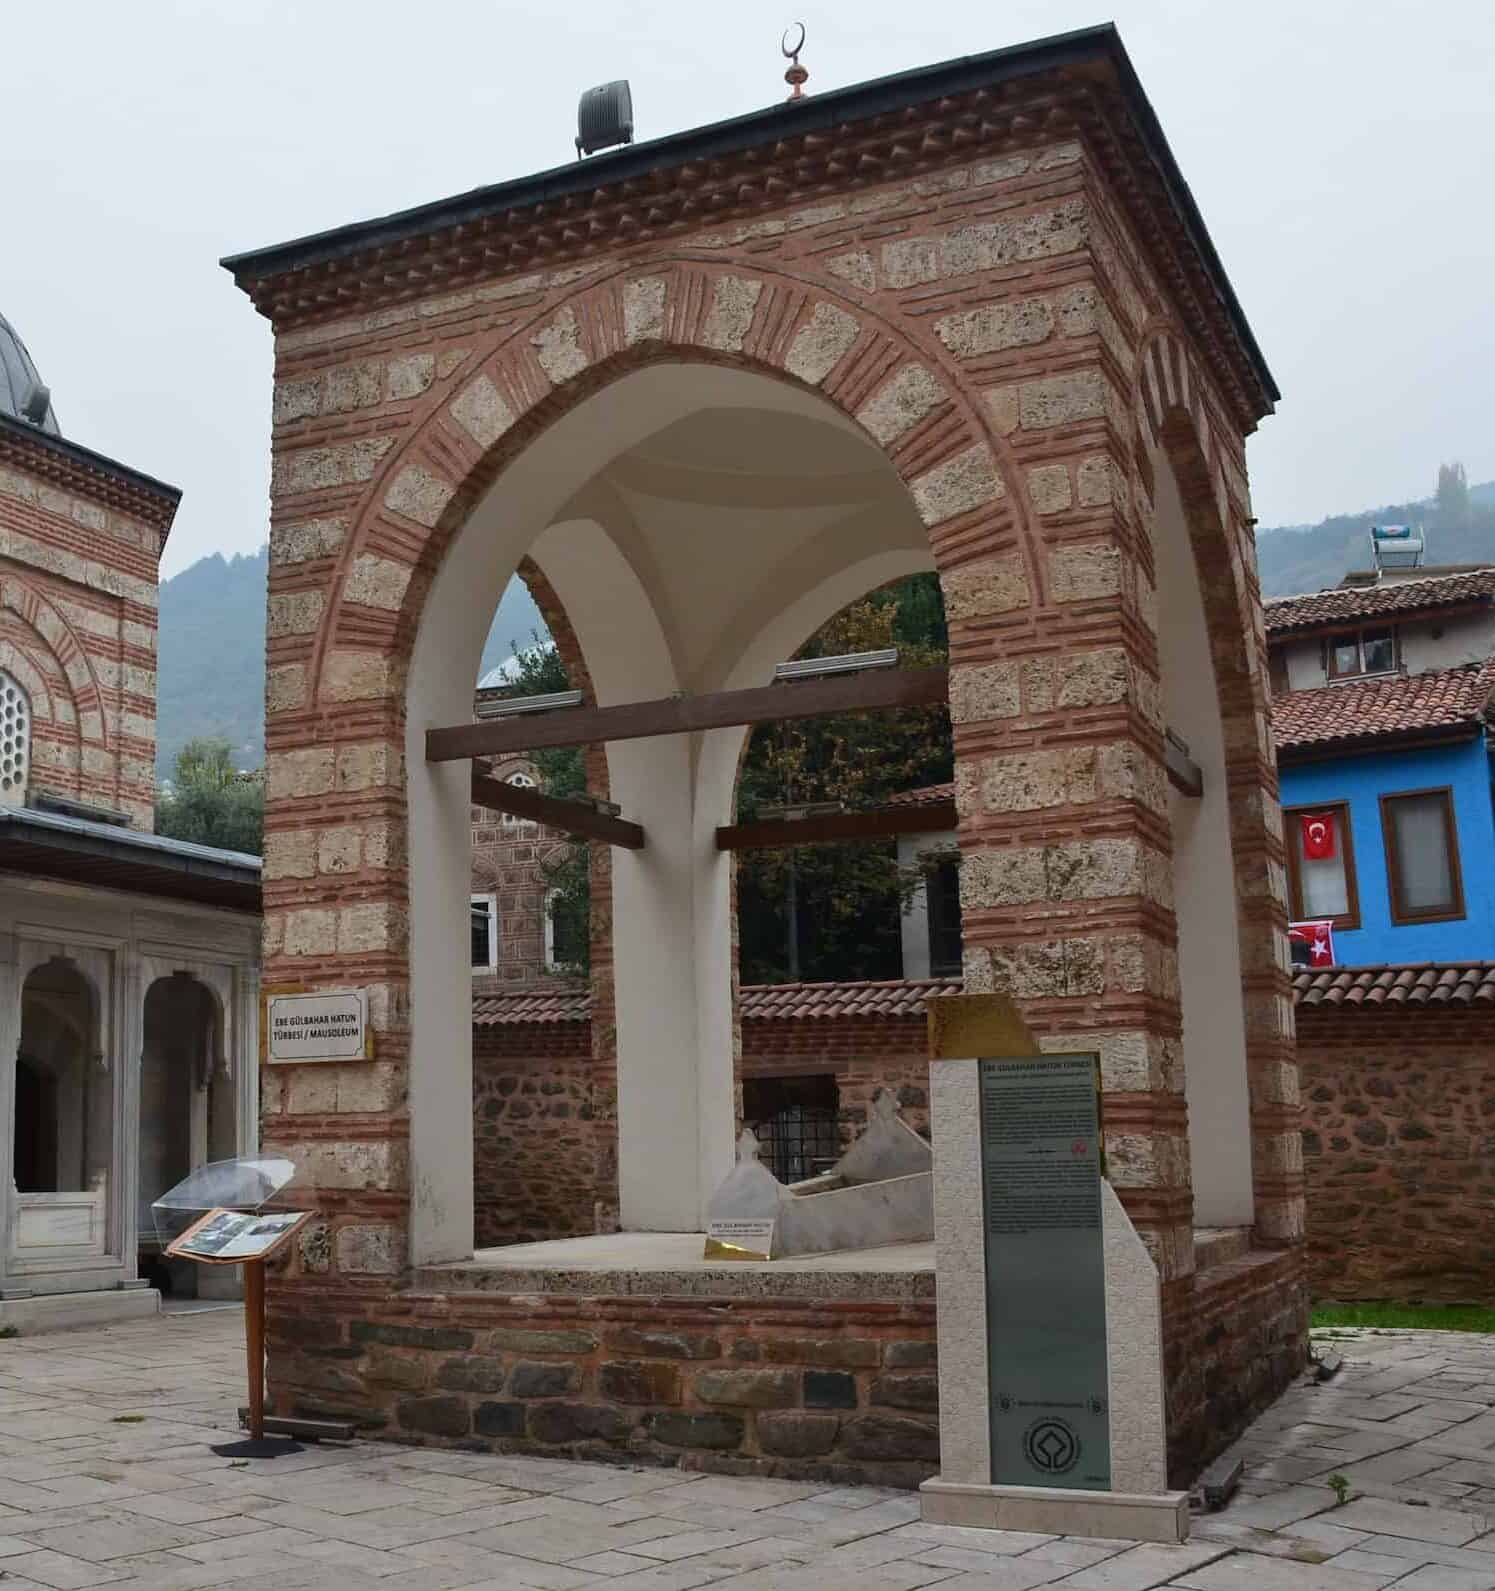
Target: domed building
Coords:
[(23, 395), (129, 963)]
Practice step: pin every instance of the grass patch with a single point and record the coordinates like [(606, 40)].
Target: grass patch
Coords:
[(1407, 1317)]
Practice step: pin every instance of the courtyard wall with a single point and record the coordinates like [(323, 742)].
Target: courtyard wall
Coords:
[(1398, 1078)]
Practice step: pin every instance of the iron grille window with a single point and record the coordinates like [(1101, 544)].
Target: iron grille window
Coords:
[(796, 1120)]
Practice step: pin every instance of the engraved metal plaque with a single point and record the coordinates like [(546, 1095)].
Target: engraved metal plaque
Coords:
[(1045, 1271)]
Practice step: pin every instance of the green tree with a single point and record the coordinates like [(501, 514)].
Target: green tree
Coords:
[(832, 911), (1453, 496), (208, 801), (843, 900), (537, 670)]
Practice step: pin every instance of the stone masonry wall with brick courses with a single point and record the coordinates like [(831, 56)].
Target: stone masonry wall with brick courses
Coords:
[(840, 1391), (1399, 1144), (545, 1165), (78, 632), (509, 856), (541, 1166), (997, 327), (864, 1054)]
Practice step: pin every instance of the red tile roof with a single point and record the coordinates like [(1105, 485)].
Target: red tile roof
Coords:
[(932, 795), (1347, 603), (1466, 984), (1430, 983), (1417, 704), (759, 1002), (539, 1005), (779, 1002)]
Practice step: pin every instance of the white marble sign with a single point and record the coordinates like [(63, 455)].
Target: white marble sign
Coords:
[(318, 1027)]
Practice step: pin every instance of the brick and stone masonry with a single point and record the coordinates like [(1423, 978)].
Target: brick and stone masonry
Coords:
[(82, 540), (533, 1163), (1398, 1133), (1000, 296)]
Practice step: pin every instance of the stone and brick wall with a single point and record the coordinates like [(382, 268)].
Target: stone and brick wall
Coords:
[(543, 1139), (1233, 1339), (841, 1390), (539, 1168), (864, 1054), (1399, 1146), (509, 856), (82, 540)]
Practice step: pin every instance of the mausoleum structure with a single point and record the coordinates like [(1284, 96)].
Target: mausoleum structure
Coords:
[(129, 962), (704, 392)]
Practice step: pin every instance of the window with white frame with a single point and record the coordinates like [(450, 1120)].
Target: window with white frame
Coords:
[(15, 741), (564, 950), (484, 932)]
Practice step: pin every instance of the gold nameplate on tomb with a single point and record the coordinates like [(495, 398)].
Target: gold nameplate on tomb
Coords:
[(743, 1238)]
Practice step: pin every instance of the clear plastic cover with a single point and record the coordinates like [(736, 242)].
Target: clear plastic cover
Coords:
[(246, 1184)]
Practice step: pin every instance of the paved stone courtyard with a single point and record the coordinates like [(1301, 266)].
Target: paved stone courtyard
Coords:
[(108, 1476)]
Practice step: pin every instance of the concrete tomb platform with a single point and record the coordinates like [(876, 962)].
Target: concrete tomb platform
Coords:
[(671, 1263)]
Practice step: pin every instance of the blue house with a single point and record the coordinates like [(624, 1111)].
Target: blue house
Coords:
[(1382, 710)]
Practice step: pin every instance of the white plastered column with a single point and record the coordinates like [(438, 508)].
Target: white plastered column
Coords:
[(1209, 961), (662, 956)]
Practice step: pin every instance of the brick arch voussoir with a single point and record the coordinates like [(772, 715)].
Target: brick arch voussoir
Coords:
[(906, 397), (1173, 418), (61, 642)]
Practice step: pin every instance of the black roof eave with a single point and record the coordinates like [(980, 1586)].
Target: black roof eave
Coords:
[(1368, 744), (76, 453), (77, 856), (819, 112)]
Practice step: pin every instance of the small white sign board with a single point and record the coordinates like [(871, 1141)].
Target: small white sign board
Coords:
[(318, 1027)]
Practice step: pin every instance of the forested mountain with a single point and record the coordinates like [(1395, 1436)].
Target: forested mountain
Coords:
[(211, 659), (1295, 558)]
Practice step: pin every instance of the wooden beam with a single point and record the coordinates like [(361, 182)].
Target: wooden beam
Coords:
[(570, 817), (865, 692), (776, 833)]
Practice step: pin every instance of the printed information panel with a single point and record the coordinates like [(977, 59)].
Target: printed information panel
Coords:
[(1045, 1272), (318, 1027)]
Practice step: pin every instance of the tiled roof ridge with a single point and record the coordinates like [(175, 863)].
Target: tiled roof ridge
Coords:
[(924, 795), (1443, 698), (1308, 608), (1457, 984), (1461, 984)]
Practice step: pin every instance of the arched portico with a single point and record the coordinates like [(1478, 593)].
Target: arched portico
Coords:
[(657, 608), (707, 436)]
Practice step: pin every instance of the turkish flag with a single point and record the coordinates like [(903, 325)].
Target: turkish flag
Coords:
[(1312, 943), (1318, 836)]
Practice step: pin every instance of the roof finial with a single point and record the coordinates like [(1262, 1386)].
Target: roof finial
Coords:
[(797, 76)]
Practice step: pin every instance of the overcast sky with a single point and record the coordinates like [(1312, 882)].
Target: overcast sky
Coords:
[(1342, 156)]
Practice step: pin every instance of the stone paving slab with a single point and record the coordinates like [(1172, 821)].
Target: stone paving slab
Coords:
[(109, 1477)]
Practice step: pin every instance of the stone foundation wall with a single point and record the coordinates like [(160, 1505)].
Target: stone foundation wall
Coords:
[(538, 1169), (835, 1390), (1235, 1336), (1399, 1128)]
